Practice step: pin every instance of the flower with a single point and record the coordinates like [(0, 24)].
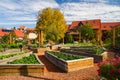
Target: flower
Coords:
[(110, 69)]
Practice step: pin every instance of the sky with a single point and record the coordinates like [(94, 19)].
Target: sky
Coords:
[(15, 13)]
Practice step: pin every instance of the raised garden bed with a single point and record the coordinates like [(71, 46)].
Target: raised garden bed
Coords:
[(97, 58), (10, 55), (39, 50), (70, 63), (24, 66)]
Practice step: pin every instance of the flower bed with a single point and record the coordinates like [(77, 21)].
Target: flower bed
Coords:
[(70, 62), (28, 66), (110, 69)]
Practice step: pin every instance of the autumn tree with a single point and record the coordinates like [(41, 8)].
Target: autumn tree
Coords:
[(51, 25)]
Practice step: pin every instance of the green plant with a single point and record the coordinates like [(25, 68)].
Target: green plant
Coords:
[(13, 46), (110, 69), (98, 50), (26, 60), (65, 56)]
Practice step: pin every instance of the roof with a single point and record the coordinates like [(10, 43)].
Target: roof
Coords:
[(30, 29), (22, 27), (1, 33), (96, 23), (19, 33), (109, 25)]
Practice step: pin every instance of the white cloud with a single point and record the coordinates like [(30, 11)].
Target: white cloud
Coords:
[(27, 10), (83, 10), (14, 23)]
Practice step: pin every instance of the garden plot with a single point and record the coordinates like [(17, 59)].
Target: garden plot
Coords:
[(68, 62), (27, 66), (87, 51)]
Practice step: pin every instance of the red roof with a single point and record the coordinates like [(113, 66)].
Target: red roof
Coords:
[(96, 23), (1, 33), (30, 29), (19, 33), (109, 25), (22, 27)]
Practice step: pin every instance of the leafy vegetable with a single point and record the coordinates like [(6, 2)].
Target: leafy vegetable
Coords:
[(65, 56), (26, 60)]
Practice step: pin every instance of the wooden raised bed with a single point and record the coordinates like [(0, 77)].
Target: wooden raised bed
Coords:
[(70, 65), (39, 50), (97, 58), (22, 69)]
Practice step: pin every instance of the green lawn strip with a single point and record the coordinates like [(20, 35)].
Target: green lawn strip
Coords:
[(65, 56), (31, 59), (10, 55)]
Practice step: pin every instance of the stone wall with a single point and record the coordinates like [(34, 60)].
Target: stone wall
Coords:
[(70, 65)]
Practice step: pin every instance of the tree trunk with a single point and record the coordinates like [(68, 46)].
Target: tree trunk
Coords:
[(40, 37), (99, 36), (113, 41), (10, 38)]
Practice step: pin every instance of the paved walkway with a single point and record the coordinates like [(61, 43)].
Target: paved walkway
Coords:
[(10, 51)]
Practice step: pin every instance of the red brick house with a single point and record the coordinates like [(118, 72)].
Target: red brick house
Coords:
[(97, 26)]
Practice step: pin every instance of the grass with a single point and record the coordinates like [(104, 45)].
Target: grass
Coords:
[(26, 60), (65, 56)]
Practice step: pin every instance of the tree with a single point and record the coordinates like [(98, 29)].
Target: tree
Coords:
[(5, 39), (51, 25), (86, 31)]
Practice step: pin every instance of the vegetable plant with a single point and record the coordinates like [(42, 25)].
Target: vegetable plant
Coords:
[(31, 59), (65, 56)]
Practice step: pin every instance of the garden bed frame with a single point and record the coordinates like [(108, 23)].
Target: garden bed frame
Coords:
[(70, 65), (22, 69), (97, 58)]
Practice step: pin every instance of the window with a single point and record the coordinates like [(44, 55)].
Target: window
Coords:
[(104, 26), (111, 26)]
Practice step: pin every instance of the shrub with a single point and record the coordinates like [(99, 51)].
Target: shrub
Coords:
[(110, 69), (13, 46), (98, 50)]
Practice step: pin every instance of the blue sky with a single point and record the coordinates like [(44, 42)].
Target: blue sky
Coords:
[(14, 13)]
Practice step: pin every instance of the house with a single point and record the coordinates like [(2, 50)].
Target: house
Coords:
[(98, 26)]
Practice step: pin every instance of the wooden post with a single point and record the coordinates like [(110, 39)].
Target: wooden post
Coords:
[(113, 41), (10, 38), (79, 37)]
